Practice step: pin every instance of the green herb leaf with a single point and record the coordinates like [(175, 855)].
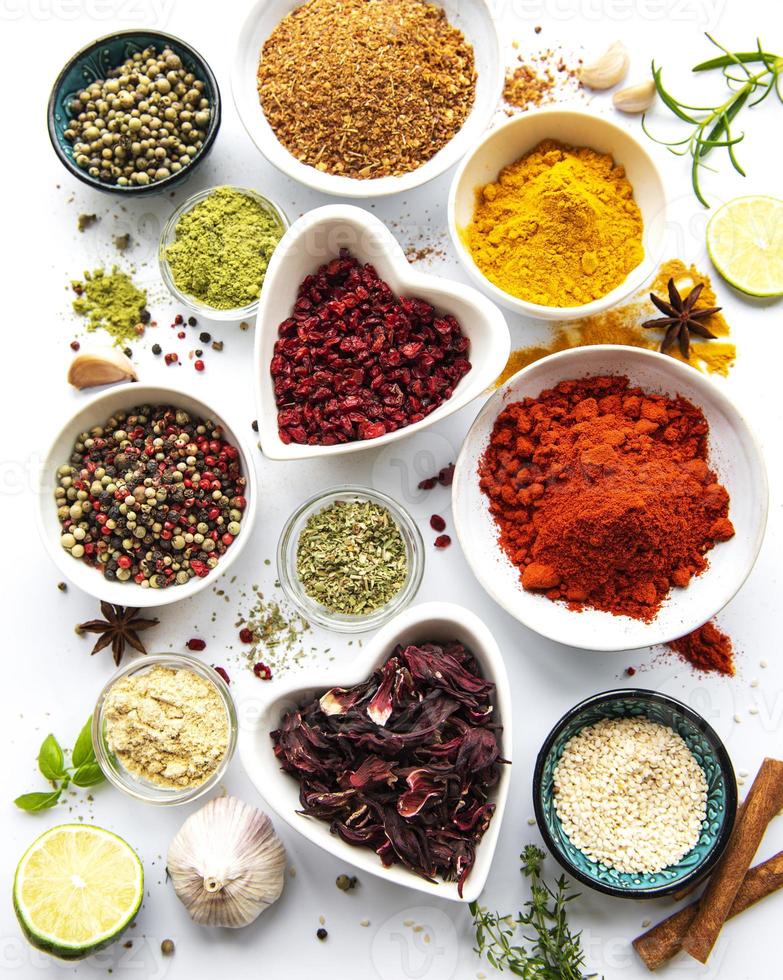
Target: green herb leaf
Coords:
[(90, 774), (83, 749), (51, 760), (34, 802)]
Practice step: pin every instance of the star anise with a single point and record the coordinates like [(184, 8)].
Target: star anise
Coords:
[(680, 318), (121, 626)]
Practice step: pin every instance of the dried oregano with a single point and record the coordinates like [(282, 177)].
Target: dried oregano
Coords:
[(351, 557)]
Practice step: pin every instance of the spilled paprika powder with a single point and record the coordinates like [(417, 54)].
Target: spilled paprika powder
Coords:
[(602, 494)]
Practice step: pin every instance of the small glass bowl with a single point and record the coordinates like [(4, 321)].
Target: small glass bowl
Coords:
[(313, 611), (168, 235), (135, 786)]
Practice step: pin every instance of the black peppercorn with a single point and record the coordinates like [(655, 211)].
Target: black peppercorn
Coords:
[(156, 349), (322, 934), (254, 425), (205, 337), (192, 321)]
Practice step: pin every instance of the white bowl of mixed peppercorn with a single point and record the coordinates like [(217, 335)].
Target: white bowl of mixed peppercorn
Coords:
[(355, 348), (364, 100), (145, 496)]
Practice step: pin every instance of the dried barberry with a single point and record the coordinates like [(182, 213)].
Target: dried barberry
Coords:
[(442, 541), (437, 523)]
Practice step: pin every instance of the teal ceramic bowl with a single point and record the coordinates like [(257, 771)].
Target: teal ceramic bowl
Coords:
[(91, 64), (709, 752)]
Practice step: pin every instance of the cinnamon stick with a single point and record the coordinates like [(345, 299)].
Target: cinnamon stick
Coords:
[(659, 944), (764, 800)]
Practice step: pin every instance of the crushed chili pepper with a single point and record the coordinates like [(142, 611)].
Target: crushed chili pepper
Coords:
[(602, 494), (708, 649), (354, 361)]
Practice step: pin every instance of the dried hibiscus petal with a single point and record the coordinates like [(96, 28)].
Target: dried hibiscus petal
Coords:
[(404, 763)]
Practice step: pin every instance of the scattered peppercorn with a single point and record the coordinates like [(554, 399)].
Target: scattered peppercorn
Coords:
[(322, 933), (192, 321), (62, 586), (217, 345), (437, 523), (244, 325), (171, 359), (181, 335), (246, 635), (205, 337), (198, 352), (262, 672), (145, 316), (223, 673), (75, 345), (254, 425), (630, 671), (167, 947), (199, 365), (156, 349), (442, 541), (196, 643), (346, 882)]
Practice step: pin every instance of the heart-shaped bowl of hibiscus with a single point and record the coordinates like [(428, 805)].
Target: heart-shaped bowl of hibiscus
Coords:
[(356, 348), (398, 763)]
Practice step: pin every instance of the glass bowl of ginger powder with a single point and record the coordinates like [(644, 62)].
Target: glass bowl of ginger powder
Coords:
[(164, 729), (215, 249)]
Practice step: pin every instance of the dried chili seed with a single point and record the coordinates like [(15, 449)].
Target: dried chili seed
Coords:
[(262, 672), (442, 541), (246, 635), (223, 673), (437, 523), (196, 643)]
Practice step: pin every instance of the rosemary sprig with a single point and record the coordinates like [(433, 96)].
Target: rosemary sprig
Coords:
[(553, 952), (712, 125)]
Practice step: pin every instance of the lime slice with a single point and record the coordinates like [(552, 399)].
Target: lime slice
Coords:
[(745, 242), (76, 889)]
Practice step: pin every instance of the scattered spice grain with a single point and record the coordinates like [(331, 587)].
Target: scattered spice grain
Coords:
[(366, 88)]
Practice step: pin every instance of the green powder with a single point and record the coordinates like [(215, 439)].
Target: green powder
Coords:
[(111, 301), (222, 248)]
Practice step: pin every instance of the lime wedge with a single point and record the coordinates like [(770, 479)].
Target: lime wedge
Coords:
[(76, 889), (745, 242)]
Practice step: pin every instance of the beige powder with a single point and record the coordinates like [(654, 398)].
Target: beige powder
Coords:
[(167, 726)]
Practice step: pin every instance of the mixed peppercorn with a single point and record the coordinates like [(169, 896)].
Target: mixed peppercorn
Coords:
[(155, 495)]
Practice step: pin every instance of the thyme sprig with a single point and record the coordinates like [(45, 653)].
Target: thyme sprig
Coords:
[(553, 952), (750, 77)]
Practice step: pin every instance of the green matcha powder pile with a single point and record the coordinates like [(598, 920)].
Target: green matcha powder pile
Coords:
[(222, 248)]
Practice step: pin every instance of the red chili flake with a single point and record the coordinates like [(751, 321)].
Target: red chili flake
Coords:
[(171, 358), (199, 365), (263, 672), (223, 673), (246, 635), (196, 643), (442, 541), (355, 362), (75, 345), (437, 523)]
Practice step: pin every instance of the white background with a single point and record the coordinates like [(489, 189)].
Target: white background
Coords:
[(50, 682)]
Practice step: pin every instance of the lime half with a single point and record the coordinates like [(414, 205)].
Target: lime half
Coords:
[(76, 889), (745, 242)]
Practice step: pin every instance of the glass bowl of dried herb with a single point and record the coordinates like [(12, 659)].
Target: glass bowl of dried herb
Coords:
[(216, 247), (350, 558)]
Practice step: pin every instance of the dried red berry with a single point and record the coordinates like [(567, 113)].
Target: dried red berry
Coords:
[(630, 671), (196, 643), (429, 483), (223, 673), (446, 475), (442, 541), (75, 345), (171, 358), (199, 365), (263, 672), (437, 523), (246, 635)]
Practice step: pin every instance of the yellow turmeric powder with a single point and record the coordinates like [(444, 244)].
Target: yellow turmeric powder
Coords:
[(559, 227)]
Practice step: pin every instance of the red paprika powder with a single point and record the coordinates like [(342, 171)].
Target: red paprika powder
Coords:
[(602, 494), (708, 649)]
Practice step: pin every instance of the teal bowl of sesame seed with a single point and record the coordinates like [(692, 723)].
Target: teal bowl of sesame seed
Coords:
[(350, 559), (635, 794)]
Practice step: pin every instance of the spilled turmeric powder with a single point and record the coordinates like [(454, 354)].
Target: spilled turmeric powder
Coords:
[(559, 227), (623, 325)]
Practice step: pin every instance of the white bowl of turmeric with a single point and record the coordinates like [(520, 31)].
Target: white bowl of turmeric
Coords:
[(558, 214)]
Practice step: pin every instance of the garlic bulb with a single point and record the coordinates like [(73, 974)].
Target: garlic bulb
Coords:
[(226, 863)]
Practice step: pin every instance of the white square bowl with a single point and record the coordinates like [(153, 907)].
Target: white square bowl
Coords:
[(435, 621), (734, 454), (315, 239)]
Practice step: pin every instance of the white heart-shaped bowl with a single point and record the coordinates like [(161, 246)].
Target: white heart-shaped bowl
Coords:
[(95, 412), (475, 21), (436, 621), (506, 143), (317, 237), (733, 453)]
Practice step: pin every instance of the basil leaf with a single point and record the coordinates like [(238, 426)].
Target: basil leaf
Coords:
[(33, 802), (90, 774), (82, 749), (50, 758)]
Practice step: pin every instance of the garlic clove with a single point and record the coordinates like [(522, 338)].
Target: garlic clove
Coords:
[(90, 370), (226, 863), (608, 70), (635, 98)]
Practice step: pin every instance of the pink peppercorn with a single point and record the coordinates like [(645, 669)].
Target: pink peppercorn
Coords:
[(199, 365), (171, 358)]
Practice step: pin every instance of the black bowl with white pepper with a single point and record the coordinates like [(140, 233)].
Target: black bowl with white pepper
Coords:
[(635, 794), (134, 112)]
